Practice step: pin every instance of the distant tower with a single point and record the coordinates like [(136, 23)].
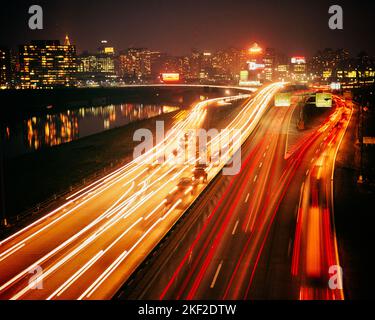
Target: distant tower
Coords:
[(66, 41)]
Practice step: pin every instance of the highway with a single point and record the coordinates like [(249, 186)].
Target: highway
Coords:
[(89, 246), (266, 233)]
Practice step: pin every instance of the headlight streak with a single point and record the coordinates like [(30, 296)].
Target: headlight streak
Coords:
[(120, 209)]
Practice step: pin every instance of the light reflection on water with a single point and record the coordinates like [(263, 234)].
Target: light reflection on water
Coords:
[(54, 129)]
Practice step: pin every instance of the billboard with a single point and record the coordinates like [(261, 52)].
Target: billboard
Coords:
[(255, 66), (298, 60), (335, 86), (170, 77), (369, 140), (255, 49), (109, 50), (283, 99), (323, 100), (244, 75)]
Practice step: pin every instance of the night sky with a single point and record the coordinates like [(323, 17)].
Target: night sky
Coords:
[(293, 27)]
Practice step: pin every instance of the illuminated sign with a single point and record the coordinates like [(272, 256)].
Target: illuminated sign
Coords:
[(244, 75), (170, 77), (283, 99), (323, 100), (335, 86), (369, 140), (255, 49), (298, 60), (109, 50), (255, 66)]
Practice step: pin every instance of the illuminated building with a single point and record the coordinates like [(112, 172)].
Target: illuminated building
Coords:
[(87, 63), (282, 71), (195, 64), (298, 68), (164, 63), (255, 64), (354, 72), (324, 61), (227, 64), (47, 64), (5, 68), (206, 69), (135, 63), (184, 66), (269, 64), (105, 59), (105, 64), (98, 68), (105, 49)]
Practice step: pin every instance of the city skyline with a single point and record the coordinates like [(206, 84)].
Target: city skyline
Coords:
[(210, 26), (52, 63)]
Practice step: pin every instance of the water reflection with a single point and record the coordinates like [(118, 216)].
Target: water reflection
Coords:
[(53, 129)]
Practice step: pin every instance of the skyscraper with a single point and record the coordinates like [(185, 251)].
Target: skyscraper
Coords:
[(5, 67), (269, 63), (325, 61), (47, 64), (298, 68), (135, 63)]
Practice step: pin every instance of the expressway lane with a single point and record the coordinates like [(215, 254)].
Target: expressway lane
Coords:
[(87, 248), (222, 235), (240, 246), (282, 272)]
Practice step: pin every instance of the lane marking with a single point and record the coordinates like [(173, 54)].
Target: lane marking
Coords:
[(256, 177), (216, 275), (260, 165), (235, 227), (247, 197)]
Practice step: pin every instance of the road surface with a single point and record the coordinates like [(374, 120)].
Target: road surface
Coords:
[(267, 233), (88, 247)]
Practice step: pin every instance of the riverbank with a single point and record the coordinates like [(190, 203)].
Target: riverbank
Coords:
[(18, 103), (32, 178)]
